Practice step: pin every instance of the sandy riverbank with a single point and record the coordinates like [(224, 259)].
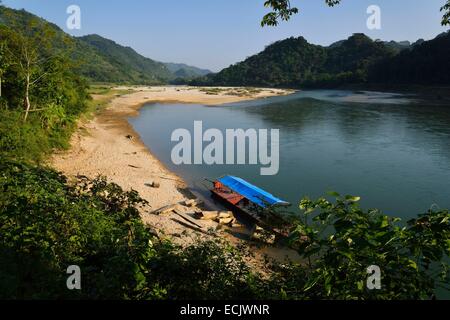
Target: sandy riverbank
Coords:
[(101, 147)]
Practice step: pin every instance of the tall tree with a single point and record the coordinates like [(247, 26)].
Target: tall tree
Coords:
[(282, 10), (3, 60), (33, 53), (3, 63)]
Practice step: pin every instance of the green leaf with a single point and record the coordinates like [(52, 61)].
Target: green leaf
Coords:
[(346, 254), (334, 194), (352, 198), (412, 264), (360, 285), (384, 222)]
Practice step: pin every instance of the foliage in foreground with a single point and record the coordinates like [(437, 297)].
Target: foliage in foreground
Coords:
[(47, 224), (282, 10), (340, 241)]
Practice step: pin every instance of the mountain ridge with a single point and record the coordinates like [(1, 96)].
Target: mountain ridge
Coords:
[(186, 71), (100, 59), (294, 62), (291, 62)]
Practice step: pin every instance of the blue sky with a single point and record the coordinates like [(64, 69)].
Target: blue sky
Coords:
[(216, 33)]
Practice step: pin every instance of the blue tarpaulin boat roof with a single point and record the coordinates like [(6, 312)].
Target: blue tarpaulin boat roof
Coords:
[(251, 192)]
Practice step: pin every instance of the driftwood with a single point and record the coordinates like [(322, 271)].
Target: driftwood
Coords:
[(166, 209), (187, 218), (224, 217), (192, 203), (190, 226), (189, 203), (207, 215)]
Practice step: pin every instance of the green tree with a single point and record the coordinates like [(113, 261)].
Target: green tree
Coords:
[(446, 10), (42, 95), (34, 56), (294, 62), (282, 10), (4, 63), (340, 241), (47, 224)]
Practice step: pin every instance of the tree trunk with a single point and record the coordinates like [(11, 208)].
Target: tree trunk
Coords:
[(27, 98)]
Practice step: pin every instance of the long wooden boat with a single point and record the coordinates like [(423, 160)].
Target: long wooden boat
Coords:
[(244, 198)]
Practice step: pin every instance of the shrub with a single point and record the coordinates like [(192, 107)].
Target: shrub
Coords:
[(341, 241), (47, 224)]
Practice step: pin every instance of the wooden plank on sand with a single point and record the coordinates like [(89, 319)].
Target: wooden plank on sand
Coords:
[(208, 215), (191, 227), (186, 218), (166, 209)]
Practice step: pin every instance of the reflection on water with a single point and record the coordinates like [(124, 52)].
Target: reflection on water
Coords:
[(391, 151)]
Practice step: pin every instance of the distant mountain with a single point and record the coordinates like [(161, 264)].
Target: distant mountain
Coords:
[(398, 46), (354, 55), (420, 41), (336, 44), (96, 58), (294, 62), (443, 34), (103, 60), (283, 63), (181, 70), (426, 63), (357, 60), (127, 65)]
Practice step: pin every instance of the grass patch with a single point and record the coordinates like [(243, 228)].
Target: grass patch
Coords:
[(212, 91), (240, 92), (101, 97)]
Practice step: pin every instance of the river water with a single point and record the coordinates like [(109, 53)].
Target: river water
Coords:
[(391, 150)]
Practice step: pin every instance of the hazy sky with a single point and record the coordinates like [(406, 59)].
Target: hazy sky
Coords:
[(216, 33)]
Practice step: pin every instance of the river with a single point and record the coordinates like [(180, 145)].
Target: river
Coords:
[(391, 150)]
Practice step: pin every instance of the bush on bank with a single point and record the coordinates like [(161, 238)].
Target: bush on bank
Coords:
[(48, 224)]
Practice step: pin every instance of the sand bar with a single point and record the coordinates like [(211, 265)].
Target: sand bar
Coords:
[(107, 145)]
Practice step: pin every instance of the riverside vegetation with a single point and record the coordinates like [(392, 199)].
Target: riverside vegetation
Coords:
[(48, 222)]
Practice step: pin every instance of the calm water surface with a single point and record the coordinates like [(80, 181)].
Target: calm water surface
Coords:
[(392, 151)]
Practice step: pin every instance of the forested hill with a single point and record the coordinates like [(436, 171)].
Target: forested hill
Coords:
[(181, 70), (96, 58), (426, 63), (124, 64), (284, 63), (131, 66), (294, 62)]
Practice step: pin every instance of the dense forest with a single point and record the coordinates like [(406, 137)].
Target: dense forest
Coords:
[(102, 60), (288, 63), (49, 222), (358, 60), (426, 63)]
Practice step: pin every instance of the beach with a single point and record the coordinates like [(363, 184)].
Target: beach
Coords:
[(108, 146)]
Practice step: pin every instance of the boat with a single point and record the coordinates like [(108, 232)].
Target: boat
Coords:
[(249, 200)]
